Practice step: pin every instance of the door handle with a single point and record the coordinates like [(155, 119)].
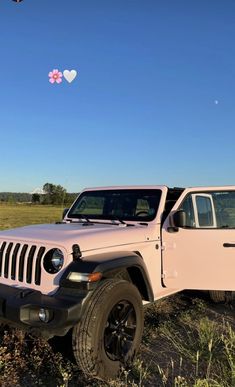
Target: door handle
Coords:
[(229, 244)]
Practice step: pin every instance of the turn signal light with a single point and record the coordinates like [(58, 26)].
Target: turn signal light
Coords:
[(84, 277)]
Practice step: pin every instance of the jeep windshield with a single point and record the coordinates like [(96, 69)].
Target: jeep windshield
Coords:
[(139, 205)]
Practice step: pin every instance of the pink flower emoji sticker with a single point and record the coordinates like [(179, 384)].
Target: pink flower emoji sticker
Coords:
[(55, 76)]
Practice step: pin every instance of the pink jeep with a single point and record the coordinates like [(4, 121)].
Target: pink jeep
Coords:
[(116, 248)]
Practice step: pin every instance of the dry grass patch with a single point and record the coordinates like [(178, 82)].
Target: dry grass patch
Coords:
[(18, 215)]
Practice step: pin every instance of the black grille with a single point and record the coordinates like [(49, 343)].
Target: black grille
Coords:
[(1, 255), (21, 262), (7, 258), (38, 266), (13, 264)]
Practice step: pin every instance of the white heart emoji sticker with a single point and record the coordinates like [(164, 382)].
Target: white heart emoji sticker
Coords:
[(70, 75)]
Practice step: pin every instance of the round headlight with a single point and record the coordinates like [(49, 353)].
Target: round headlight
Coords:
[(57, 259), (53, 261)]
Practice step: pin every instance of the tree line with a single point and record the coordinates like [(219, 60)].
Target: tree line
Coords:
[(53, 194)]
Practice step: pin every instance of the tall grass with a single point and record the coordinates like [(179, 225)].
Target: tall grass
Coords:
[(17, 215), (201, 350)]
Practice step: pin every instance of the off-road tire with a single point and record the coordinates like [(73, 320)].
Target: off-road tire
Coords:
[(217, 296), (89, 335)]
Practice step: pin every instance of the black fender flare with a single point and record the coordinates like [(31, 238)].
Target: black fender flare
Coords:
[(109, 264)]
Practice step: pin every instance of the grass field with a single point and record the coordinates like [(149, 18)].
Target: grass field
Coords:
[(12, 216), (188, 340)]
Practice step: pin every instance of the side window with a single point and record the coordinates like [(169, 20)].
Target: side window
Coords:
[(225, 209), (204, 211), (212, 209), (187, 206)]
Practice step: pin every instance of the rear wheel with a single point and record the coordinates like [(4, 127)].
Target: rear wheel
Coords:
[(109, 334), (217, 295), (227, 296)]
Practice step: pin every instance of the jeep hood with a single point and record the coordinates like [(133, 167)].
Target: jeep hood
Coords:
[(88, 237)]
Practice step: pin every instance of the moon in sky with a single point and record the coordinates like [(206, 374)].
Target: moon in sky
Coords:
[(216, 101)]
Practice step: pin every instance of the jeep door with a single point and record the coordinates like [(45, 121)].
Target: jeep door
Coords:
[(201, 255)]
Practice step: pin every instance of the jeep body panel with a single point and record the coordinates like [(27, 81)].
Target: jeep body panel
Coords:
[(197, 257), (112, 252), (159, 258), (97, 238)]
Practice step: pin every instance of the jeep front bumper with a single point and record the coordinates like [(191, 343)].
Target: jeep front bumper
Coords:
[(22, 307)]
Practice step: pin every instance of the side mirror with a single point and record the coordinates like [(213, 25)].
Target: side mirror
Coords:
[(179, 218), (65, 212)]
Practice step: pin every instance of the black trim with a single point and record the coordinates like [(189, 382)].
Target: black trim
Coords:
[(229, 244), (38, 265), (30, 264), (1, 255), (21, 264), (20, 307), (7, 258), (14, 257), (109, 264)]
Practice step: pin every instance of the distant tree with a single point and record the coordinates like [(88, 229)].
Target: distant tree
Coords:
[(35, 198), (10, 199), (70, 198), (54, 194), (15, 197), (48, 188)]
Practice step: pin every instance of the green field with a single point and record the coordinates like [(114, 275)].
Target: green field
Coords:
[(188, 341), (17, 215)]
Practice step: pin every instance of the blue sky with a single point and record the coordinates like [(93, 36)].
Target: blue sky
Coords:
[(142, 109)]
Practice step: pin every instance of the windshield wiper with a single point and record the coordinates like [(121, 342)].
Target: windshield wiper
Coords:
[(118, 219), (111, 221), (122, 221), (81, 219)]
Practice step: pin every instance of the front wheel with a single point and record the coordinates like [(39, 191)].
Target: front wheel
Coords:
[(109, 334)]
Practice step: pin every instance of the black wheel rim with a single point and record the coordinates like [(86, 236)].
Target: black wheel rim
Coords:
[(120, 330)]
